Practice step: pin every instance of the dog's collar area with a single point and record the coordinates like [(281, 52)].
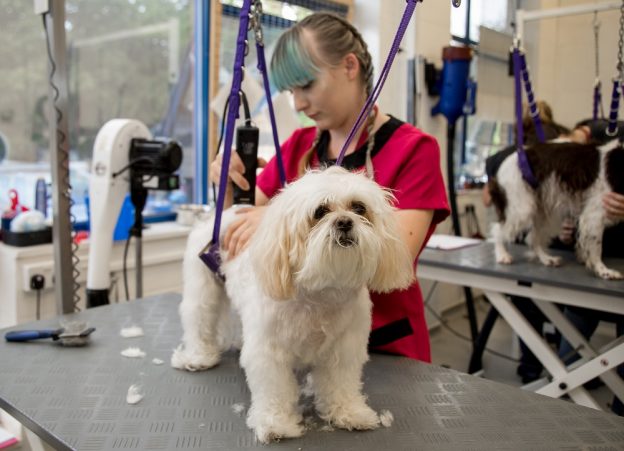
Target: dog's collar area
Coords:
[(525, 169), (212, 259)]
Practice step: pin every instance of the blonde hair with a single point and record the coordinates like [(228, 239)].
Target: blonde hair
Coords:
[(335, 38)]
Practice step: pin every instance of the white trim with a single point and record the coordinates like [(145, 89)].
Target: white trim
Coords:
[(523, 16)]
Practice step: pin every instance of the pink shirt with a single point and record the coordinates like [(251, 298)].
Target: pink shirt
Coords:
[(407, 161)]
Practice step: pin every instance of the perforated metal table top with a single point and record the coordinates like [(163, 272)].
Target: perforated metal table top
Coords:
[(480, 260), (75, 398)]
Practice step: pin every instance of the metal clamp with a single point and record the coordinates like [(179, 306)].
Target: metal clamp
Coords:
[(255, 21)]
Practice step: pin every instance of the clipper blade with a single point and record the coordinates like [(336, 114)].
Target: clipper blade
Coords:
[(75, 333)]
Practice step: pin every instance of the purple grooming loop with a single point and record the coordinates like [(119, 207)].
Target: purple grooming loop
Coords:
[(210, 255), (370, 102), (597, 99), (612, 128), (519, 66)]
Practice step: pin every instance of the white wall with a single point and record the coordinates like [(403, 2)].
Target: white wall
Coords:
[(561, 58)]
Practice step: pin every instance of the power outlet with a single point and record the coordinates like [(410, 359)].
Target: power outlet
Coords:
[(46, 270)]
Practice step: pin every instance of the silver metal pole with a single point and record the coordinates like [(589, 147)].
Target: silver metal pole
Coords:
[(59, 157)]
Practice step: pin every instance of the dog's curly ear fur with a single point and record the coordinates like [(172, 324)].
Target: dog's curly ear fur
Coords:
[(395, 269), (271, 253)]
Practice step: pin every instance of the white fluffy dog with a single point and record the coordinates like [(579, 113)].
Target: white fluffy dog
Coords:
[(573, 178), (301, 291)]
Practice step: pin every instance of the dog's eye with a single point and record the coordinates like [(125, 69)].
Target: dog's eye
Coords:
[(358, 208), (321, 211)]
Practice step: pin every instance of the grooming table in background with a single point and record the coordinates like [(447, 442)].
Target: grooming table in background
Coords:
[(571, 284), (75, 398)]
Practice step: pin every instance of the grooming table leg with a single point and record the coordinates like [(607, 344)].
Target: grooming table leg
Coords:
[(610, 377), (476, 363), (537, 345)]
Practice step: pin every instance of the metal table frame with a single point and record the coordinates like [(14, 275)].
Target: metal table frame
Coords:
[(570, 285)]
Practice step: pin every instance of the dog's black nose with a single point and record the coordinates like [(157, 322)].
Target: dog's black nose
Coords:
[(344, 224)]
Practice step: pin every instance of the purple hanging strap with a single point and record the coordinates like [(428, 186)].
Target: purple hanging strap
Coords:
[(267, 90), (210, 256), (523, 160), (597, 99), (612, 128), (537, 121), (370, 102)]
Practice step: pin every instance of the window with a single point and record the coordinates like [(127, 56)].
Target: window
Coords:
[(125, 59), (496, 15)]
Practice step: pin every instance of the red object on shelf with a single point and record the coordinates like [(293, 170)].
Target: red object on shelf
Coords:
[(15, 205)]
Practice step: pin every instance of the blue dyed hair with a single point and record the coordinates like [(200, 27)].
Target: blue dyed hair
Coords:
[(291, 64)]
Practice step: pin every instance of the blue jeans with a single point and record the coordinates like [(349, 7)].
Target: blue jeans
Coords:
[(586, 321)]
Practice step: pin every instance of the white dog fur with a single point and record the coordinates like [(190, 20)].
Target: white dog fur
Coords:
[(301, 290), (542, 210)]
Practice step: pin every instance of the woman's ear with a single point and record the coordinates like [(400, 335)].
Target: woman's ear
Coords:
[(352, 66)]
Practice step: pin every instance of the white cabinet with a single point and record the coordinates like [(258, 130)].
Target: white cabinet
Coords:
[(163, 251)]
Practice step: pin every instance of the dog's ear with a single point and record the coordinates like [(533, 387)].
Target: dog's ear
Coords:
[(395, 269), (271, 253)]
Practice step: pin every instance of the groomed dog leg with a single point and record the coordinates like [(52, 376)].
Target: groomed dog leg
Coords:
[(539, 238), (274, 394), (337, 384), (500, 250), (203, 305), (589, 244)]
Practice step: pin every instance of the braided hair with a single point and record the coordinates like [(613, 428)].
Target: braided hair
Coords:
[(291, 65)]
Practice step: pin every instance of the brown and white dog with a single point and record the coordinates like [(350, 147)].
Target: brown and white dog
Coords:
[(573, 178)]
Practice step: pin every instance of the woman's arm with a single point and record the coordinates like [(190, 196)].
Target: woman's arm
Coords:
[(414, 225)]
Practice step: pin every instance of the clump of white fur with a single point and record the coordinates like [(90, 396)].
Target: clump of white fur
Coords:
[(131, 332), (134, 394), (301, 293), (132, 352)]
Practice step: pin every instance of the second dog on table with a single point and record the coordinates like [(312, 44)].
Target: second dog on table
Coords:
[(572, 180), (301, 292)]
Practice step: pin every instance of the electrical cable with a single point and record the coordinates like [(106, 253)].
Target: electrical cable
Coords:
[(130, 164), (125, 267), (454, 332), (63, 162), (38, 312), (221, 133)]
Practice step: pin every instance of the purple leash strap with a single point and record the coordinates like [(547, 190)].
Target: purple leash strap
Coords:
[(539, 130), (523, 160), (370, 102), (597, 99), (212, 258), (612, 128), (267, 90)]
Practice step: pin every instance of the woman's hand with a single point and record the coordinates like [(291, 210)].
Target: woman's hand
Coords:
[(236, 171), (613, 203), (242, 229)]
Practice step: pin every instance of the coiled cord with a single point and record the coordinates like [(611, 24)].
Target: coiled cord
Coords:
[(64, 163)]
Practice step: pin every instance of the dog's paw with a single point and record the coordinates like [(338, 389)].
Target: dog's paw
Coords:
[(359, 418), (505, 259), (550, 260), (609, 274), (185, 359), (269, 431)]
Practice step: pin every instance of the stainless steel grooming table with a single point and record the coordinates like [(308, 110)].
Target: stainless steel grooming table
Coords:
[(571, 284), (75, 398)]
